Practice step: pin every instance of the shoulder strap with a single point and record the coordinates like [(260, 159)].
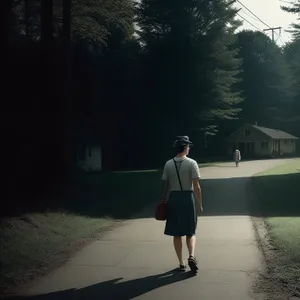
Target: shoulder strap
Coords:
[(178, 174)]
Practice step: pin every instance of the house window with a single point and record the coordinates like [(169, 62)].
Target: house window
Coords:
[(247, 132), (286, 142), (264, 145)]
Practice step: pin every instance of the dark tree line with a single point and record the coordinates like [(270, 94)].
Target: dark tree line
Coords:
[(132, 76)]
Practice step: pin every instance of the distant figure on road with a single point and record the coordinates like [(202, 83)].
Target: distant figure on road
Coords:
[(237, 157), (182, 193)]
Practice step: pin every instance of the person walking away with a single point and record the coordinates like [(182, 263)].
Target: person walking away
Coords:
[(182, 193), (237, 157)]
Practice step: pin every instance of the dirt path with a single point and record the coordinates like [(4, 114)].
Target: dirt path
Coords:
[(132, 262)]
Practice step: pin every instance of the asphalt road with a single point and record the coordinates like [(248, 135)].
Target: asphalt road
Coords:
[(135, 261)]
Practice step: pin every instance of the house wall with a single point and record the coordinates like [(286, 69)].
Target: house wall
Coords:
[(264, 148), (288, 146), (93, 159), (254, 143), (253, 136)]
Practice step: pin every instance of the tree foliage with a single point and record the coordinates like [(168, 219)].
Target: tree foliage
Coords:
[(92, 20), (140, 74), (266, 80), (294, 8), (292, 54), (189, 48)]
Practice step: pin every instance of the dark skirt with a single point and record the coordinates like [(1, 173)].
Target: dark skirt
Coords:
[(182, 214)]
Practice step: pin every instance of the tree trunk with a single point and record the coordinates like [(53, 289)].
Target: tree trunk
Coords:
[(5, 19), (26, 18), (67, 59), (47, 22)]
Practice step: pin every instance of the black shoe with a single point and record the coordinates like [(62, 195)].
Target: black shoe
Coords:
[(182, 268), (193, 264)]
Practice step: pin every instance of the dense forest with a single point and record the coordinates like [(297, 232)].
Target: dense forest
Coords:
[(132, 75)]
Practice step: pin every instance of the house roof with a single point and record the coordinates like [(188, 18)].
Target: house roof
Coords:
[(275, 133)]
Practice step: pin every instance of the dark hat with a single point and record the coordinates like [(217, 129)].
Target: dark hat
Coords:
[(182, 141)]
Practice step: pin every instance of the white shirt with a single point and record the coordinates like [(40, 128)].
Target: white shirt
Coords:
[(188, 170), (237, 154)]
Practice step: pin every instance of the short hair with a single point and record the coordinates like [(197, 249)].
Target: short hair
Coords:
[(180, 148)]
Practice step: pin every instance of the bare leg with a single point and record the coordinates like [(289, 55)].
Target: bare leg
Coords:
[(191, 244), (177, 241)]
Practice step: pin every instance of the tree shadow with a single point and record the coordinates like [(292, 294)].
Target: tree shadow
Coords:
[(113, 289), (131, 195), (104, 194), (271, 195), (221, 197), (276, 195)]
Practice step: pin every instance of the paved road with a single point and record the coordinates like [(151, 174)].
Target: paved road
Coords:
[(134, 260)]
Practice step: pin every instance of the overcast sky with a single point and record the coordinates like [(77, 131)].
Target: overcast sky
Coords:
[(271, 13)]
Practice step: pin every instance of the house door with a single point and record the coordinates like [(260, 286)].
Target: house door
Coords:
[(250, 148), (242, 148), (277, 145)]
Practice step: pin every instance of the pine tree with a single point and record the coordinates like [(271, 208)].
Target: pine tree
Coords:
[(294, 9), (93, 20), (266, 80), (292, 53), (191, 61)]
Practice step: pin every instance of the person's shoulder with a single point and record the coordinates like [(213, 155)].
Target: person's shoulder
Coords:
[(168, 162), (192, 161)]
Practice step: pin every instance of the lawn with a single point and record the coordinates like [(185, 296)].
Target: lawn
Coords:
[(29, 244), (115, 194), (278, 195), (36, 240), (210, 164)]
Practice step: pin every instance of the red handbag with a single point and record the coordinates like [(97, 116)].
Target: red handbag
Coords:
[(161, 211)]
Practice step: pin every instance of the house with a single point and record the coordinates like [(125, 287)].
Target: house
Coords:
[(257, 141), (89, 151), (89, 157)]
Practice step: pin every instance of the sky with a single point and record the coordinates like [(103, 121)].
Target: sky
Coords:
[(270, 12)]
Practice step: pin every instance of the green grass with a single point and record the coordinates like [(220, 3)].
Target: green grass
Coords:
[(279, 190), (34, 240), (278, 195), (115, 194), (284, 232), (30, 243), (209, 164), (89, 205)]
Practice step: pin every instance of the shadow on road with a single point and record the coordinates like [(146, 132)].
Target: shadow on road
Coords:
[(113, 289), (274, 195), (221, 197)]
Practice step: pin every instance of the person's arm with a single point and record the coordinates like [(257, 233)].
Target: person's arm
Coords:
[(165, 190), (196, 184), (198, 194), (165, 187)]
